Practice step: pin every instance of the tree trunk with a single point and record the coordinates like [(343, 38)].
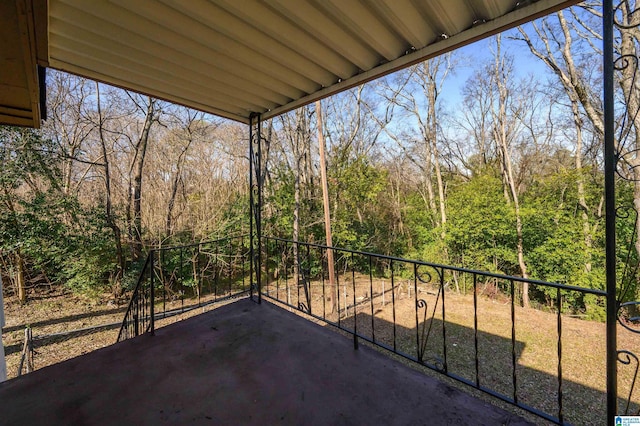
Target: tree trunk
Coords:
[(432, 140), (135, 228), (501, 136), (630, 37), (20, 277), (296, 211), (168, 230), (111, 223), (582, 201), (574, 86), (325, 204)]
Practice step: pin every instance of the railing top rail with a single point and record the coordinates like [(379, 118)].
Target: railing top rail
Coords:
[(560, 286), (135, 291)]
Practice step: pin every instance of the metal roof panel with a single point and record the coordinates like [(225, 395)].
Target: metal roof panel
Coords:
[(238, 57)]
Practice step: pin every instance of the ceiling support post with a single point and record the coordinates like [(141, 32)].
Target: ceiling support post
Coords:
[(255, 208), (610, 160)]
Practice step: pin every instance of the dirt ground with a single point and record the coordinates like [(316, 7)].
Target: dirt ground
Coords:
[(51, 314)]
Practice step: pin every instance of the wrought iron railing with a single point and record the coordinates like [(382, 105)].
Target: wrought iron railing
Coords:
[(414, 309), (177, 279), (140, 314)]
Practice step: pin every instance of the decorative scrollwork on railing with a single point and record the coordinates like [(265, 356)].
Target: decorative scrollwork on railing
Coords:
[(627, 16), (624, 212), (624, 18), (423, 338), (628, 165), (303, 307), (628, 277), (628, 316), (627, 358), (423, 333), (423, 277), (627, 66)]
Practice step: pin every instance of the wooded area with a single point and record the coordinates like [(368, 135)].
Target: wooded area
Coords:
[(505, 176)]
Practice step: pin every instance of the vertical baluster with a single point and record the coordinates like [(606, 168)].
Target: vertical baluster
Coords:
[(164, 284), (146, 300), (445, 364), (559, 308), (355, 306), (307, 279), (135, 316), (142, 291), (300, 273), (324, 290), (216, 275), (513, 343), (266, 263), (280, 252), (475, 328), (196, 272), (229, 267), (181, 275), (286, 274), (244, 261), (393, 305), (373, 329), (415, 306), (152, 310), (338, 293), (252, 205)]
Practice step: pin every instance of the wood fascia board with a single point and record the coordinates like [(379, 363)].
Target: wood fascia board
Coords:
[(41, 21), (28, 44)]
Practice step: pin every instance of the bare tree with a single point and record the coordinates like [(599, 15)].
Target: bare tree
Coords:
[(333, 289), (297, 133), (108, 207), (417, 94), (149, 107), (70, 125), (192, 127), (556, 51), (503, 111)]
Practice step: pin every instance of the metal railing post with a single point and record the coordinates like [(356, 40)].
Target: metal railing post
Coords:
[(152, 311), (610, 209), (258, 173), (251, 205)]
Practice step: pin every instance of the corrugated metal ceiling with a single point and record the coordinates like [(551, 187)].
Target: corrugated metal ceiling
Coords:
[(237, 57), (21, 44)]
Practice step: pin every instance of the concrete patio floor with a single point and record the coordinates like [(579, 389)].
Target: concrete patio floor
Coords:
[(239, 364)]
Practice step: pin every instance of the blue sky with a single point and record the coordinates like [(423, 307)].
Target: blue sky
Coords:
[(480, 52)]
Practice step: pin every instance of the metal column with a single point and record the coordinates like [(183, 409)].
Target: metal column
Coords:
[(610, 210), (255, 201)]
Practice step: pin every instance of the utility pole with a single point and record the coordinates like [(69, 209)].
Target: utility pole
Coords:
[(325, 205)]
